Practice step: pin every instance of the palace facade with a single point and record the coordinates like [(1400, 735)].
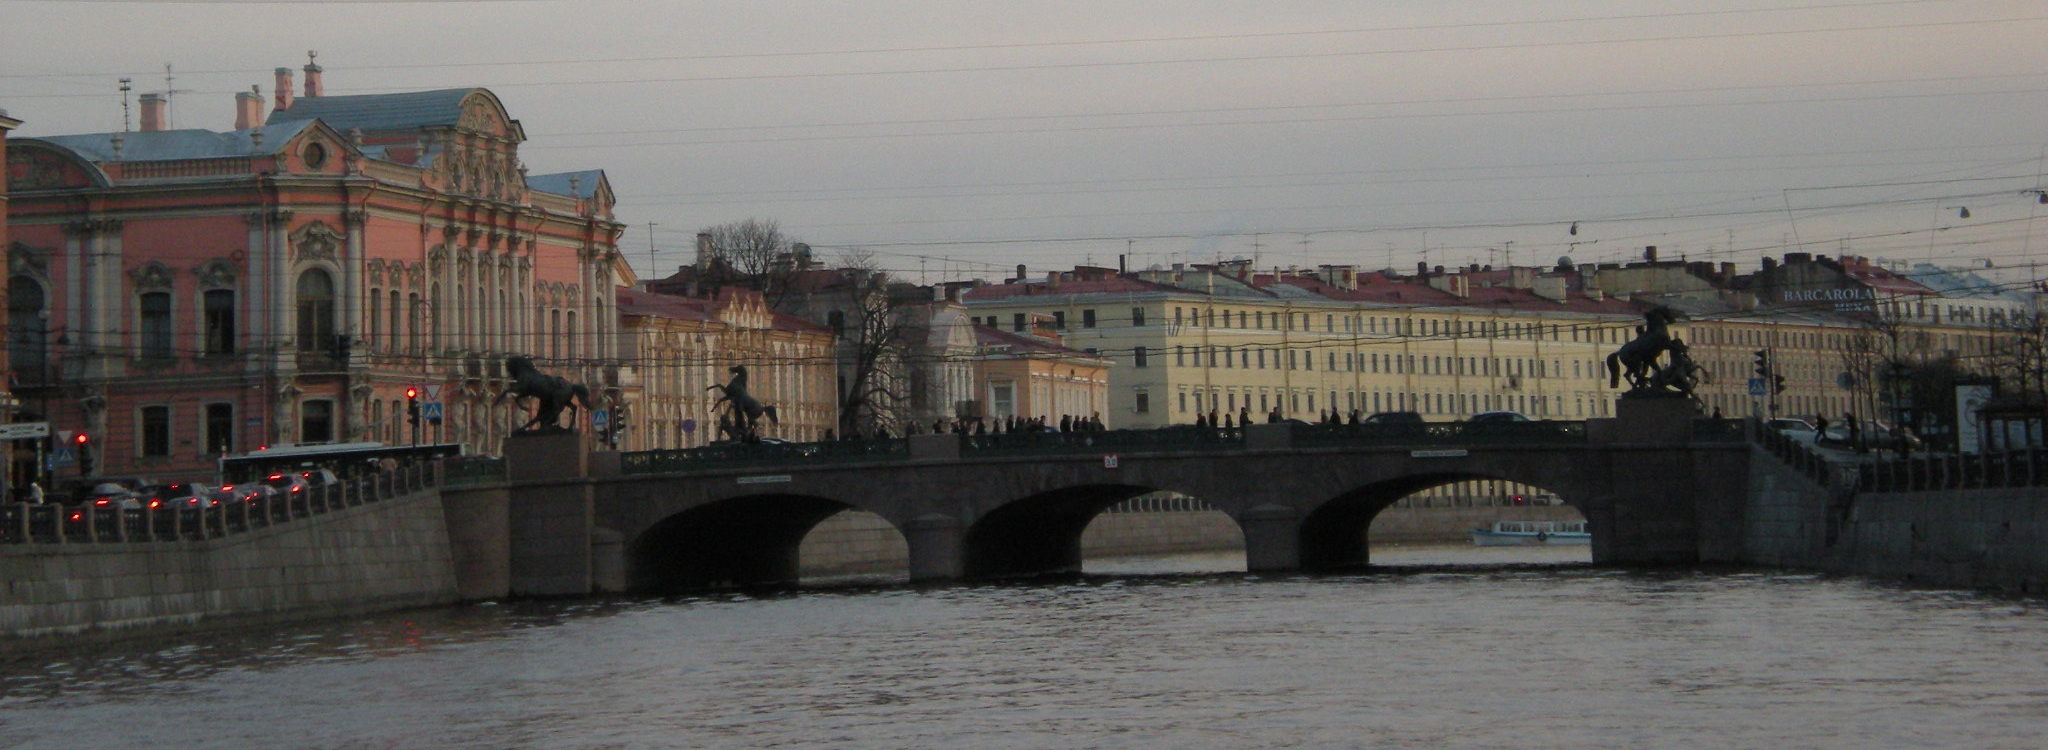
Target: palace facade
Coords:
[(179, 295)]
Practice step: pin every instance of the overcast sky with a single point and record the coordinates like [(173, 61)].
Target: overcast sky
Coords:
[(961, 138)]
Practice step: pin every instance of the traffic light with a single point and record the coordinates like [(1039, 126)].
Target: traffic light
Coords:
[(83, 444), (1763, 363), (412, 406), (1777, 384)]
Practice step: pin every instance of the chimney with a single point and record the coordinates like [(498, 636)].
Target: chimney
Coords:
[(1770, 263), (248, 109), (1650, 253), (282, 90), (1123, 264), (154, 112), (1052, 279), (703, 250), (313, 87), (1020, 273), (1727, 270)]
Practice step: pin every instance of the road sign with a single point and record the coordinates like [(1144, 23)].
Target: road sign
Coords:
[(431, 411), (600, 419), (63, 457), (1757, 387), (1109, 461), (432, 391), (689, 426), (24, 430)]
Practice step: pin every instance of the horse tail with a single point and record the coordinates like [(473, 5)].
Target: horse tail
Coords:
[(582, 394), (770, 411)]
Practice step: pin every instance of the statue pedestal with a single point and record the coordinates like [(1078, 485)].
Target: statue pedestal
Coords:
[(1663, 418), (531, 456), (550, 523)]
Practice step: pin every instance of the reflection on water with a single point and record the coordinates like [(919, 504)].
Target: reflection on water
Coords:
[(1538, 653)]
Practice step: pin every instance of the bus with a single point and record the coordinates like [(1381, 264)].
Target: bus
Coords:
[(346, 460)]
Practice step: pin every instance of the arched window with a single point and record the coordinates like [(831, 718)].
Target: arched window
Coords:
[(27, 332), (376, 321), (219, 322), (155, 331), (316, 311), (392, 343)]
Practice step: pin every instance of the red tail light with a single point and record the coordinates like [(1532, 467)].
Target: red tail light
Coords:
[(77, 516), (296, 488), (155, 504)]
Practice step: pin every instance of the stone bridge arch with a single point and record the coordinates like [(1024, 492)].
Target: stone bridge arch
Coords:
[(1333, 534), (1041, 532), (740, 540)]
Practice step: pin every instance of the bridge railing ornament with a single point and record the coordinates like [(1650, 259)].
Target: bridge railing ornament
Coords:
[(1441, 433), (1161, 440), (742, 455)]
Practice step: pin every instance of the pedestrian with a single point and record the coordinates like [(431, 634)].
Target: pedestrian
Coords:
[(1213, 419), (1229, 420), (1201, 420), (35, 493), (1855, 431), (1820, 428), (1066, 423)]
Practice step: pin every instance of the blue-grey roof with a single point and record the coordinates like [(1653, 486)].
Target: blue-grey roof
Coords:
[(172, 145), (558, 183), (379, 112)]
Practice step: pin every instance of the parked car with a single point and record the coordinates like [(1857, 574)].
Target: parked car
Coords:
[(159, 496), (319, 478), (1395, 417), (287, 483), (112, 494), (1797, 429), (1499, 417)]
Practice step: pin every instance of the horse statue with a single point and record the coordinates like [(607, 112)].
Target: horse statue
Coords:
[(1637, 359), (745, 410), (1681, 374), (554, 393)]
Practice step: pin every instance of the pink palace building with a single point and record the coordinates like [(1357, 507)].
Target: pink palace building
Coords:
[(178, 295)]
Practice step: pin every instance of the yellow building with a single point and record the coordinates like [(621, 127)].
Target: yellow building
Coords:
[(680, 346), (1224, 340), (1032, 377)]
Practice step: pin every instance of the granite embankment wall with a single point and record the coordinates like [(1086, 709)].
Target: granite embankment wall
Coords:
[(1974, 538), (390, 554)]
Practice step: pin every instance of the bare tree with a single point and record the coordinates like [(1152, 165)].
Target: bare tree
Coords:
[(753, 253), (873, 344), (2019, 357)]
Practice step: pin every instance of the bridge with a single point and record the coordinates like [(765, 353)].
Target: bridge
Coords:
[(1656, 486)]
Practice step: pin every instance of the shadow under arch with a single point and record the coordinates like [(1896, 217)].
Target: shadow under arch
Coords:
[(1039, 534), (1333, 535), (752, 540)]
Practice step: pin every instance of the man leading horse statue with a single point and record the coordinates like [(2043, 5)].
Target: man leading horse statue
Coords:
[(554, 394), (1637, 360), (744, 411)]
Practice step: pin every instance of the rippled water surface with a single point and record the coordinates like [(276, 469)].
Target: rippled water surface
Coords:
[(1557, 657)]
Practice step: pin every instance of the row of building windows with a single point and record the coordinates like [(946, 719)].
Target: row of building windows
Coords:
[(1430, 403), (1389, 326), (156, 425), (1249, 357)]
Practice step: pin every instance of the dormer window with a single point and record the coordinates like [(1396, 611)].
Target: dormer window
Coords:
[(315, 155)]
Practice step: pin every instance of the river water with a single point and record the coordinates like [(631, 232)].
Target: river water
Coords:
[(1521, 652)]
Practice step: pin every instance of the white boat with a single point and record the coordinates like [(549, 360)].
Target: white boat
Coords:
[(1511, 533)]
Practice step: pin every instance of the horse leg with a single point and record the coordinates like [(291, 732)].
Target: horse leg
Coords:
[(1614, 370)]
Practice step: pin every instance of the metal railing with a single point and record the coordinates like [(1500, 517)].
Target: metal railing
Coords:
[(1441, 433), (1798, 456), (1708, 430), (463, 471), (1162, 440), (742, 455), (2023, 468), (49, 523)]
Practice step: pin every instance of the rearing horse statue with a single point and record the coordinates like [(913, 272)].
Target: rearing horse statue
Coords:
[(746, 410), (554, 392), (1638, 358)]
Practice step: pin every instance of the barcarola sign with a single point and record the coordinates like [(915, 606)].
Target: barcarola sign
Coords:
[(1857, 299)]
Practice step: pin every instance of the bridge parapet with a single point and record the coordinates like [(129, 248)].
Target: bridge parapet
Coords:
[(743, 455), (1439, 433)]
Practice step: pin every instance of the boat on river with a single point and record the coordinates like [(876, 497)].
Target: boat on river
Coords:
[(1513, 533)]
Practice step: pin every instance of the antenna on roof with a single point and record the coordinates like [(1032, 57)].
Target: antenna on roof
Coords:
[(126, 86), (168, 91)]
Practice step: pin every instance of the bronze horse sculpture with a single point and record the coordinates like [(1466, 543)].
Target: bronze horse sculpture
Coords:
[(1637, 359), (746, 411), (554, 394)]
